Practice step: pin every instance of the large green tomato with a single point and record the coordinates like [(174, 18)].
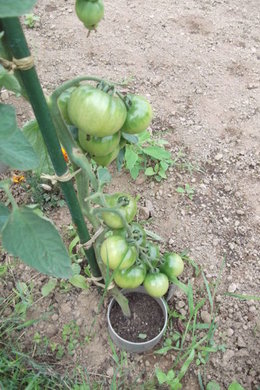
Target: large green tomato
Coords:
[(124, 203), (139, 115), (95, 112), (156, 284), (104, 161), (131, 277), (63, 104), (117, 253), (90, 12), (172, 265), (98, 146)]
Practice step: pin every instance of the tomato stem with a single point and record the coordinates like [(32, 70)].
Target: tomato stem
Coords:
[(101, 210)]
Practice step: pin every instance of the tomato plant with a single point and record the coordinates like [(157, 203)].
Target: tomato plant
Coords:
[(139, 114), (98, 146), (152, 251), (172, 265), (131, 277), (125, 204), (117, 253), (90, 12), (138, 234), (96, 112), (156, 284)]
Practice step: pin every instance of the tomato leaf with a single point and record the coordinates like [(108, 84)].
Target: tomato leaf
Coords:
[(157, 152), (4, 214), (9, 81), (36, 241), (79, 281), (235, 386), (33, 134), (149, 171), (130, 157), (133, 139), (15, 150), (104, 176), (12, 8)]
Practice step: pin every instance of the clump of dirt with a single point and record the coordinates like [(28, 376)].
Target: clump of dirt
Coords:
[(146, 319)]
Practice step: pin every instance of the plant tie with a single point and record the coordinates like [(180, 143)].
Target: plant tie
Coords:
[(67, 176), (90, 242), (96, 281), (25, 63)]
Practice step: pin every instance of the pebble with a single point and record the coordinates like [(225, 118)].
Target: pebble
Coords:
[(110, 372), (232, 287), (206, 317), (180, 304), (230, 332), (218, 157), (55, 317), (144, 213), (229, 354), (65, 308), (240, 342)]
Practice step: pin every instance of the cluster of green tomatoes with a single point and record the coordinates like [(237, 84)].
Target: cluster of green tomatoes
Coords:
[(134, 259), (102, 116)]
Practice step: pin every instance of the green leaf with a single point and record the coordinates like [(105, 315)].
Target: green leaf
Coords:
[(15, 150), (143, 137), (76, 268), (12, 8), (48, 287), (104, 176), (36, 242), (3, 269), (142, 336), (130, 157), (212, 385), (79, 281), (235, 386), (149, 171), (162, 173), (161, 376), (135, 171), (33, 134), (4, 214), (133, 139), (180, 190), (9, 81), (157, 152)]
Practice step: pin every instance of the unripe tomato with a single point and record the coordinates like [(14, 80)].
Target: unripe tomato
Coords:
[(90, 12), (124, 203), (156, 284), (138, 233), (63, 104), (139, 115), (116, 253), (172, 265), (98, 146), (95, 112), (131, 277), (104, 161)]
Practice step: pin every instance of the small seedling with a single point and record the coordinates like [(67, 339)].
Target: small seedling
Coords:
[(31, 20), (186, 190)]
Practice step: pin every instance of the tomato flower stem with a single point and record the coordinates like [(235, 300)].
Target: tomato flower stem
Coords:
[(147, 261)]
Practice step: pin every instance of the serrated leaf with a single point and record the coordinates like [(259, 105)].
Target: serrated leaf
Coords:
[(9, 81), (157, 152), (79, 281), (170, 375), (12, 8), (104, 176), (15, 150), (161, 377), (149, 171), (36, 241), (48, 287), (130, 158), (33, 134), (235, 386), (133, 139), (4, 214)]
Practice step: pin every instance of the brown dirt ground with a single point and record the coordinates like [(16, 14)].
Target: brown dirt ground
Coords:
[(198, 64)]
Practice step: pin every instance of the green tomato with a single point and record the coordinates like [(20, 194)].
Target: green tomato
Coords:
[(138, 233), (95, 112), (139, 115), (124, 203), (172, 265), (63, 104), (116, 253), (104, 161), (131, 277), (90, 12), (156, 284), (152, 251), (98, 146)]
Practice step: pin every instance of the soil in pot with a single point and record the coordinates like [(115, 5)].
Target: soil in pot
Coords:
[(146, 319)]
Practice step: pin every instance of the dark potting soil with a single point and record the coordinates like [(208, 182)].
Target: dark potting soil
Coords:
[(146, 319)]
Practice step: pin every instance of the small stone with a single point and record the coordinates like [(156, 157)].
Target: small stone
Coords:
[(240, 212), (218, 157), (227, 188), (147, 363), (229, 354), (232, 287), (144, 213), (65, 308), (252, 309), (79, 321), (206, 317), (110, 372), (180, 304), (141, 179), (55, 317), (171, 241), (230, 332), (240, 342)]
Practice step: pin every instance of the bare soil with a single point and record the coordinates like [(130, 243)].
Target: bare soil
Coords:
[(198, 64)]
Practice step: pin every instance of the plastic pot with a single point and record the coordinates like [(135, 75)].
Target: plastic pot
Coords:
[(136, 347)]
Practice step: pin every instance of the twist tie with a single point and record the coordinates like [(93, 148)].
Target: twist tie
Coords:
[(67, 176)]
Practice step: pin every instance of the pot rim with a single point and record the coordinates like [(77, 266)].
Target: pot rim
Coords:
[(142, 343)]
